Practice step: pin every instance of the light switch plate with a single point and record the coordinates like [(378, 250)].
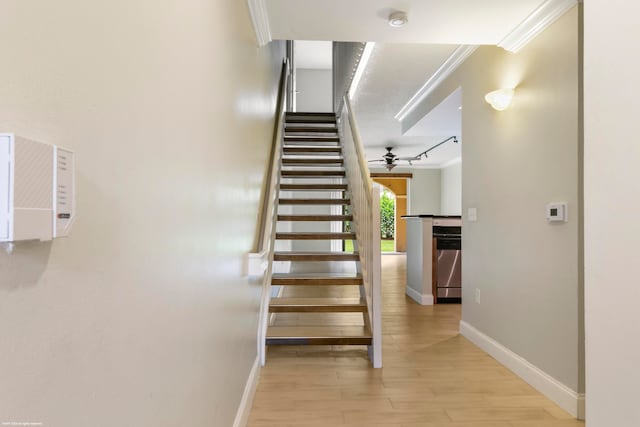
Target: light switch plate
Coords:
[(472, 214)]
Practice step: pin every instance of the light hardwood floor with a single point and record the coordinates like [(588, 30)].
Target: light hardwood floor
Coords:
[(432, 377)]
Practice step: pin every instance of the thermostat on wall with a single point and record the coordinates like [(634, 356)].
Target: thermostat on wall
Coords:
[(557, 212)]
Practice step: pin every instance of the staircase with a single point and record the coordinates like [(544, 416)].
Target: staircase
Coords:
[(313, 181)]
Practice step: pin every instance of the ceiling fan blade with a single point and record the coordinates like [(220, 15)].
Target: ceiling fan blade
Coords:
[(371, 161)]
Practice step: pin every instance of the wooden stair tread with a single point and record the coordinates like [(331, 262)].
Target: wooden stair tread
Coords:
[(310, 129), (316, 256), (311, 140), (309, 113), (310, 119), (309, 162), (313, 187), (300, 149), (315, 217), (316, 279), (314, 201), (312, 143), (318, 335), (315, 236), (313, 173), (317, 305)]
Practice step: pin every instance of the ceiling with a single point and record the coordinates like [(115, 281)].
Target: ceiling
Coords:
[(435, 21), (394, 73), (404, 59)]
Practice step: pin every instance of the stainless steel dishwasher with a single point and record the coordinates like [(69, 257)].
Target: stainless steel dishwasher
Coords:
[(448, 263)]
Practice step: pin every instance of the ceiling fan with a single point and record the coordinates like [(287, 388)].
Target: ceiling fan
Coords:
[(390, 159)]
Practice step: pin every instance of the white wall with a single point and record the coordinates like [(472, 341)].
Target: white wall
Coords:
[(612, 229), (515, 162), (451, 190), (424, 190), (142, 316), (315, 90)]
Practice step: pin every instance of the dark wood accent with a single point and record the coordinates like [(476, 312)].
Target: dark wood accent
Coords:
[(316, 256), (390, 175), (280, 114), (306, 114), (314, 201), (317, 305), (315, 236), (318, 335), (309, 162), (304, 138), (315, 217), (312, 141), (311, 119), (316, 280), (311, 150), (316, 173), (310, 129), (313, 187)]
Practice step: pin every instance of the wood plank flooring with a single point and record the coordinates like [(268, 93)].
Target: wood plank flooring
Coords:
[(432, 377)]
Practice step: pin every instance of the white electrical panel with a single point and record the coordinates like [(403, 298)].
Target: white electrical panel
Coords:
[(36, 190)]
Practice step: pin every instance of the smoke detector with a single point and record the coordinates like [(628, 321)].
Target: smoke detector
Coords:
[(398, 19)]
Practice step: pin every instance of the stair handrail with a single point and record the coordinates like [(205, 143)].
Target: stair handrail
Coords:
[(365, 205), (260, 261), (362, 158), (274, 163)]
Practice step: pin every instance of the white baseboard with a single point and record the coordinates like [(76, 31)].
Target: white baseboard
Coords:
[(421, 299), (562, 395), (244, 410)]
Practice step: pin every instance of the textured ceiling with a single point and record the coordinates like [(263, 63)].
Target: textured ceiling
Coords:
[(403, 58), (394, 73)]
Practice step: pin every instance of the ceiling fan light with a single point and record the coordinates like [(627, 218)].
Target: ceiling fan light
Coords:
[(390, 166)]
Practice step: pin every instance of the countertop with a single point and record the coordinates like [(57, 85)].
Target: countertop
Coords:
[(431, 216)]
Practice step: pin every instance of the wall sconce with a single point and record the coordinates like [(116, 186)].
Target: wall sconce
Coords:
[(500, 99)]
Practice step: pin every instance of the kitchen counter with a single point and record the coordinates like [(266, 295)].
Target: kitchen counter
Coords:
[(432, 216), (421, 274)]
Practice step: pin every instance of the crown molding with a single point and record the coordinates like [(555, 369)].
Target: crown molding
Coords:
[(260, 21), (448, 67), (541, 18)]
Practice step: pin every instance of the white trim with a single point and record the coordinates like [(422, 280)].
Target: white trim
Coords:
[(563, 396), (449, 66), (244, 410), (260, 21), (257, 264), (362, 66), (421, 299), (541, 18)]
